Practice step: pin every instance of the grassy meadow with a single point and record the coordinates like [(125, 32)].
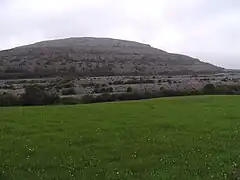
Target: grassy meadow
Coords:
[(182, 138)]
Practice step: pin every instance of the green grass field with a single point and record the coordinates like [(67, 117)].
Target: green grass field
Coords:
[(183, 138)]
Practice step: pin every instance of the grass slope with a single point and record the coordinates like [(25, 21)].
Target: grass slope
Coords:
[(185, 138)]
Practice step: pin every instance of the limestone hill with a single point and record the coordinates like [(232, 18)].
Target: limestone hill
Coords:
[(96, 57)]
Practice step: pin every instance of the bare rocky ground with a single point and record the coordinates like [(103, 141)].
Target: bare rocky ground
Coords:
[(96, 57), (77, 87)]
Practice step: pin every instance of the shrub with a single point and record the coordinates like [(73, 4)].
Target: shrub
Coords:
[(209, 89), (230, 89), (70, 91), (8, 100), (225, 79), (36, 96), (68, 101), (103, 90), (118, 82), (86, 99), (162, 89), (110, 89), (169, 81), (8, 87), (129, 89), (105, 97), (65, 84), (69, 85)]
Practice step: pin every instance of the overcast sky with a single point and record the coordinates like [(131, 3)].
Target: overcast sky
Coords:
[(206, 29)]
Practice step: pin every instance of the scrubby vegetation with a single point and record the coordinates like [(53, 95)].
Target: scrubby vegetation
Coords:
[(68, 101), (103, 90), (69, 91), (129, 89), (209, 89), (36, 95), (8, 100)]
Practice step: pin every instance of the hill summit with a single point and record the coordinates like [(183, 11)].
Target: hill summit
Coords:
[(90, 56)]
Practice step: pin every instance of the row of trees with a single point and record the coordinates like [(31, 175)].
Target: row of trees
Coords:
[(36, 95)]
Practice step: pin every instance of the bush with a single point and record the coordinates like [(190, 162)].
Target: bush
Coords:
[(70, 91), (105, 97), (110, 90), (137, 96), (230, 89), (117, 82), (8, 100), (87, 99), (209, 89), (69, 85), (68, 101), (36, 96), (129, 89), (103, 90)]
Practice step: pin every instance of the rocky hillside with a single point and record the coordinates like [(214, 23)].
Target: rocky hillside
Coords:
[(96, 57)]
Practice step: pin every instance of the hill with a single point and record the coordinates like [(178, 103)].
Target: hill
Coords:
[(185, 138), (97, 57)]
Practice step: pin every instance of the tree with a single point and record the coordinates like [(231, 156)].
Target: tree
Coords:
[(70, 91), (110, 90), (209, 89), (35, 95), (8, 100), (105, 97), (129, 89), (88, 99)]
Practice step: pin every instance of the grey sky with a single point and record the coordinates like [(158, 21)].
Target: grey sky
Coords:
[(207, 29)]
